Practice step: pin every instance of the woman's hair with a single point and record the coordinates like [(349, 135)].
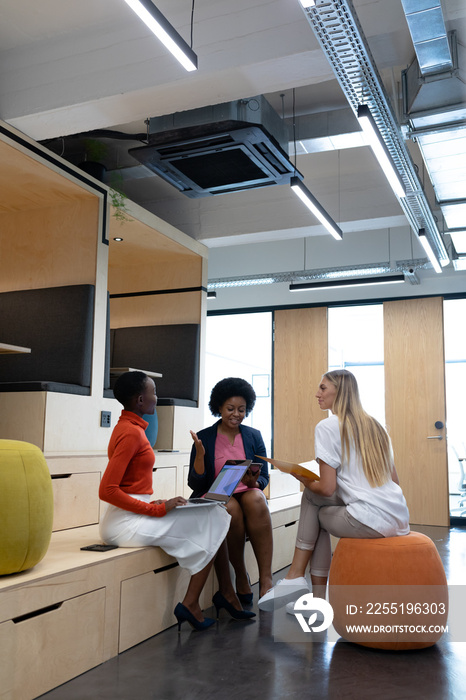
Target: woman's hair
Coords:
[(226, 388), (369, 438), (128, 386)]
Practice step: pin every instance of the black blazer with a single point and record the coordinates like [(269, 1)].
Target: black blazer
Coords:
[(253, 445)]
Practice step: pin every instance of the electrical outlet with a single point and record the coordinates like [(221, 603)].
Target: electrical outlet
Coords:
[(105, 419)]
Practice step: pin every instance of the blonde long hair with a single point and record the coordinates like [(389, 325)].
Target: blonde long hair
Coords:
[(369, 438)]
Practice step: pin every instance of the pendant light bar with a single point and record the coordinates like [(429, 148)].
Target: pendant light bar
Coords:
[(381, 152), (313, 205), (428, 248), (163, 30), (339, 284)]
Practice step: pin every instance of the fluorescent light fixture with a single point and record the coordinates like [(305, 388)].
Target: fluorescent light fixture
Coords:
[(164, 31), (338, 284), (308, 3), (454, 213), (211, 295), (381, 152), (241, 282), (460, 263), (427, 247), (313, 205), (459, 241)]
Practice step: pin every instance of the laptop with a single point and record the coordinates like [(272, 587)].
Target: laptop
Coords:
[(224, 485)]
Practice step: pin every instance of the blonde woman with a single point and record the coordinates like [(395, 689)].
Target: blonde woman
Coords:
[(358, 494)]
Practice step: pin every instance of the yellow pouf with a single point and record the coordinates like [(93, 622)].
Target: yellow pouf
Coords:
[(26, 506), (393, 586)]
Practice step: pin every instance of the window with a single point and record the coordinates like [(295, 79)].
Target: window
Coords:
[(455, 391), (355, 343), (240, 345)]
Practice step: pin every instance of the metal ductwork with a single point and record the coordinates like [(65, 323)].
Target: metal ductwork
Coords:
[(337, 28), (434, 107), (429, 34)]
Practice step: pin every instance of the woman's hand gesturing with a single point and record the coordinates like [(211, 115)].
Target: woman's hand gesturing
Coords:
[(200, 451)]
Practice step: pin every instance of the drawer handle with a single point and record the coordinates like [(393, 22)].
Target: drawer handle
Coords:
[(290, 524), (36, 613), (166, 568), (61, 476)]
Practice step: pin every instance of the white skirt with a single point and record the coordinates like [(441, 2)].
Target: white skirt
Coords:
[(192, 535)]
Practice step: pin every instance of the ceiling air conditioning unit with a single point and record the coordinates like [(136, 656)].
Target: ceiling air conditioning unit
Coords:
[(229, 147)]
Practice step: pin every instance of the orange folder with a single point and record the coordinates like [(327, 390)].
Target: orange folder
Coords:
[(291, 468)]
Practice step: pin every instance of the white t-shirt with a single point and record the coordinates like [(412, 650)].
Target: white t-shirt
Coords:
[(383, 508)]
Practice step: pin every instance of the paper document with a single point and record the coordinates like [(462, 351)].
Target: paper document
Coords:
[(293, 468)]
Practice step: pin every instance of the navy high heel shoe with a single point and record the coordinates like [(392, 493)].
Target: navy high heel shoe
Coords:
[(182, 614), (245, 598), (220, 602)]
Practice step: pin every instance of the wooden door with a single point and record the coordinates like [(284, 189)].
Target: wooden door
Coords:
[(414, 402), (300, 360)]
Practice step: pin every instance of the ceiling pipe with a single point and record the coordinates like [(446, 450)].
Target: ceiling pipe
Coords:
[(340, 35)]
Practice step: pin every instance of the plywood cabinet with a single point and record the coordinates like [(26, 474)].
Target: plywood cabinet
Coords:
[(148, 601), (72, 630), (75, 500)]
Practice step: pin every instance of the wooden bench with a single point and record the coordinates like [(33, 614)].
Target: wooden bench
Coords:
[(77, 609)]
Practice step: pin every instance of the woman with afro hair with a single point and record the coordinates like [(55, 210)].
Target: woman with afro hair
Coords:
[(231, 400)]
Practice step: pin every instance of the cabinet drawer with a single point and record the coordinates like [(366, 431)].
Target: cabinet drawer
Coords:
[(148, 601), (50, 646), (76, 500), (284, 540), (164, 482), (187, 491)]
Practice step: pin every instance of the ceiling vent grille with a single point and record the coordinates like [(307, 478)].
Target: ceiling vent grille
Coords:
[(215, 150)]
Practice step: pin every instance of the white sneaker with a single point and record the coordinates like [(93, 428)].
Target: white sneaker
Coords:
[(284, 591)]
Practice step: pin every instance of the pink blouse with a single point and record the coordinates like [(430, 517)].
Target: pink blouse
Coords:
[(225, 450)]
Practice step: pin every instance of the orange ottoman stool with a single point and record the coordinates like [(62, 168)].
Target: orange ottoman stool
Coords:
[(389, 593)]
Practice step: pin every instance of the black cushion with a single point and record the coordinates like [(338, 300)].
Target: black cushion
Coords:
[(172, 350), (46, 386), (164, 401), (57, 324)]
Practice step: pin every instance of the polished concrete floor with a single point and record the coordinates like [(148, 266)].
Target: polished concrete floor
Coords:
[(243, 660)]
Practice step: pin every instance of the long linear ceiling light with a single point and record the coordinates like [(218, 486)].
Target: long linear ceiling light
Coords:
[(405, 267), (313, 205), (339, 32), (380, 150), (163, 30), (338, 284), (428, 248)]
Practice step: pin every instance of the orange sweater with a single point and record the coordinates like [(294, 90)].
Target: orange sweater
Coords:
[(129, 469)]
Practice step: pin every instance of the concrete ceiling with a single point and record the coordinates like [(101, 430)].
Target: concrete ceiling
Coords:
[(69, 68)]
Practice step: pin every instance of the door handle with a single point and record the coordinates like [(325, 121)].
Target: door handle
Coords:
[(435, 437)]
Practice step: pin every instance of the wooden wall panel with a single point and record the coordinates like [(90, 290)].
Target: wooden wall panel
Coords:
[(300, 359), (155, 310), (414, 401), (50, 247), (151, 270)]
